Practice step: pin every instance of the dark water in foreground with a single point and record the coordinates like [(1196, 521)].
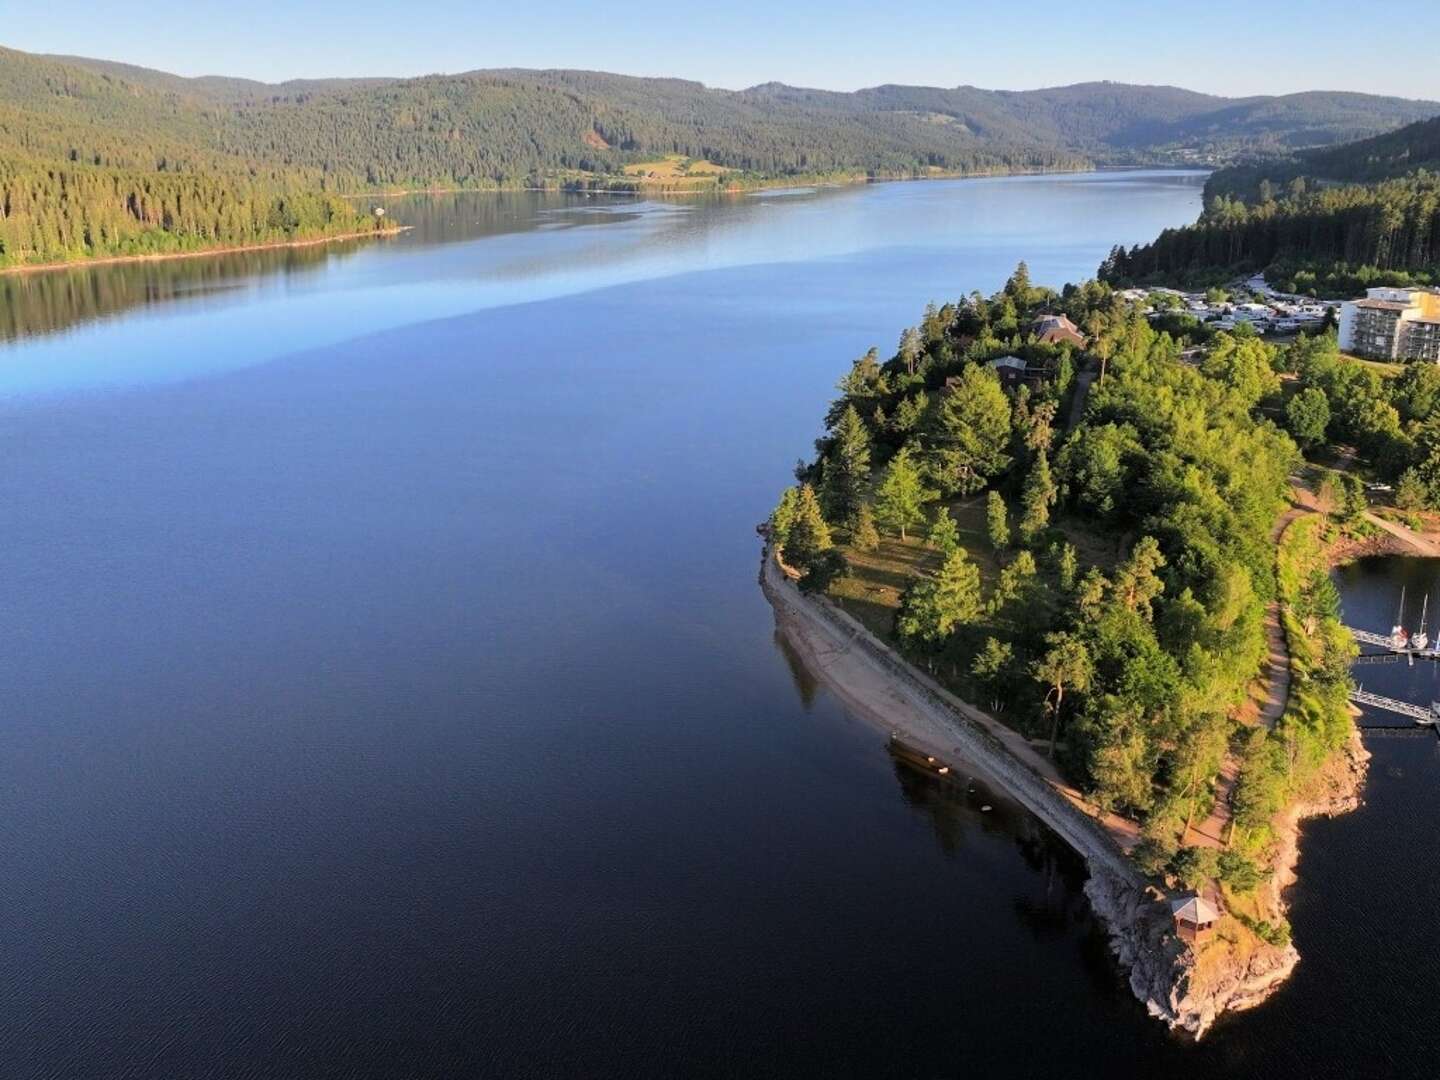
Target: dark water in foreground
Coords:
[(389, 693)]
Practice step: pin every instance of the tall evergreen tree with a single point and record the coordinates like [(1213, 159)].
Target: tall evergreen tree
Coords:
[(900, 498), (809, 535), (997, 521), (864, 536), (1036, 498), (968, 432), (846, 475), (934, 607)]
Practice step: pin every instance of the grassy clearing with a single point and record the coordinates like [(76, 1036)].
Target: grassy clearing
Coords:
[(673, 167), (879, 578), (1384, 369)]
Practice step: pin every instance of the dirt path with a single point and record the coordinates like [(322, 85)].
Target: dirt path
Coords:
[(1419, 544), (1212, 831), (1271, 701), (1077, 402)]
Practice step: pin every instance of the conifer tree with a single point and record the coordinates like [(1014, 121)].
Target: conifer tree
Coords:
[(1036, 498), (900, 498), (934, 607), (865, 537), (944, 534), (809, 535), (846, 474), (997, 521)]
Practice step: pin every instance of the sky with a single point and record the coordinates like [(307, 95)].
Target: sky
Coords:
[(1231, 47)]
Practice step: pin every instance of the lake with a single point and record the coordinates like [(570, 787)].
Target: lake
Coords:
[(389, 692)]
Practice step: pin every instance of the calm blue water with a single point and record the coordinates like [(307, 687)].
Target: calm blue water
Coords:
[(388, 692)]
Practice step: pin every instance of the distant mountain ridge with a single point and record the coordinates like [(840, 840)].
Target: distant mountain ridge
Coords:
[(99, 157), (771, 128)]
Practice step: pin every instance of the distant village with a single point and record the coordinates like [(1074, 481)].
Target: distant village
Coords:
[(1255, 304), (1386, 324), (1389, 324)]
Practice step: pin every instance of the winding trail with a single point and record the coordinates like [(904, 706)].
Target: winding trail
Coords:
[(1273, 699)]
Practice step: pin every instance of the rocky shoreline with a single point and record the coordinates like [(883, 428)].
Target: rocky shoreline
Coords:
[(1175, 986), (1165, 975)]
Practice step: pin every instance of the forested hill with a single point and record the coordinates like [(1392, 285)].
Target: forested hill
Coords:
[(98, 157), (1384, 157), (1326, 221)]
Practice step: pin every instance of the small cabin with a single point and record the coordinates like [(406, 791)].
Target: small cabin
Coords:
[(1011, 369), (1195, 917)]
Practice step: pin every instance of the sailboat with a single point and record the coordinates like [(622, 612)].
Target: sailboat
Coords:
[(1399, 640), (1420, 639)]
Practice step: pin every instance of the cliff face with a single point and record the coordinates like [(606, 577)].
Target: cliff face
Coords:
[(1166, 975)]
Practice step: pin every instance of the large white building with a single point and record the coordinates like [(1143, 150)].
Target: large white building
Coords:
[(1393, 324)]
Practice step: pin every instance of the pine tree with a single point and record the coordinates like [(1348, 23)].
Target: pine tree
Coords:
[(783, 516), (865, 537), (1067, 567), (847, 467), (911, 346), (1036, 498), (944, 534), (809, 535), (997, 521), (1137, 579), (969, 432), (901, 496), (1065, 666), (934, 607)]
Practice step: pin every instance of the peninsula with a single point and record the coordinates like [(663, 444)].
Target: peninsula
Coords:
[(1085, 547)]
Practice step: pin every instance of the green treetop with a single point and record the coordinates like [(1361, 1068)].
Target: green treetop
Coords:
[(864, 536), (934, 607), (997, 521), (846, 473), (968, 432), (808, 536), (900, 499), (1307, 415), (1036, 498), (944, 534)]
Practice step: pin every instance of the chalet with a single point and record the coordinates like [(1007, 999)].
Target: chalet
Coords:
[(1057, 330), (1195, 917)]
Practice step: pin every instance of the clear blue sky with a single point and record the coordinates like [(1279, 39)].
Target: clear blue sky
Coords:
[(1220, 46)]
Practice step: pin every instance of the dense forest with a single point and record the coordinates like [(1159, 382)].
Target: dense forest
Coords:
[(1325, 222), (1100, 584), (1394, 154), (101, 158), (1325, 240)]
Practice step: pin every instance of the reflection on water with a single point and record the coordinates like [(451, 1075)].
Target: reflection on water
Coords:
[(44, 302), (138, 323), (51, 300)]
